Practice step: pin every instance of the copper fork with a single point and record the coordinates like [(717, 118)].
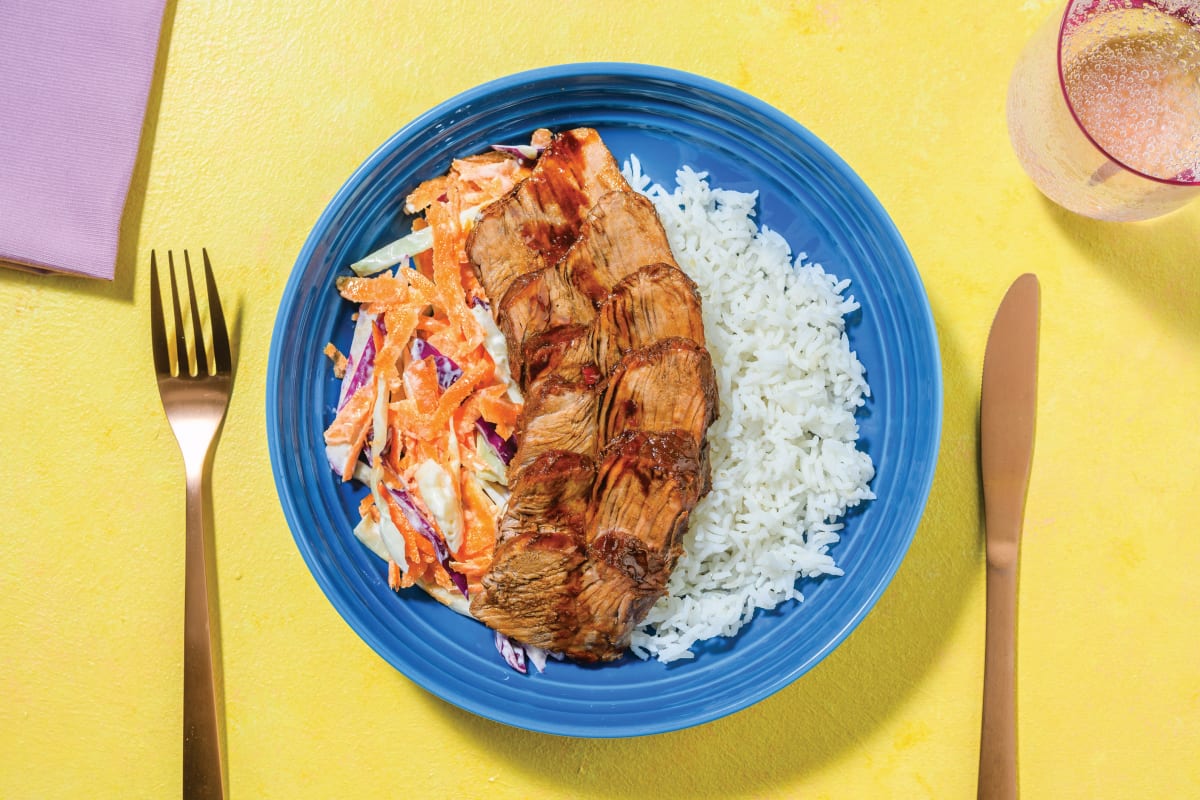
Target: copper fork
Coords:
[(195, 403)]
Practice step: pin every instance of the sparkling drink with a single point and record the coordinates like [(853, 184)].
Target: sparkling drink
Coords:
[(1104, 107)]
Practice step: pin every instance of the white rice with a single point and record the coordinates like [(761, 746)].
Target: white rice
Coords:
[(785, 466)]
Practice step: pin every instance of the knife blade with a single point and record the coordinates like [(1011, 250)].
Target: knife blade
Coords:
[(1008, 408), (1007, 414)]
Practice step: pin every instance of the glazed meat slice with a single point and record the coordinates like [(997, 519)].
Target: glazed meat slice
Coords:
[(565, 351), (646, 483), (554, 488), (530, 591), (559, 414), (538, 302), (657, 302), (534, 225), (669, 385), (582, 590), (646, 486), (622, 234)]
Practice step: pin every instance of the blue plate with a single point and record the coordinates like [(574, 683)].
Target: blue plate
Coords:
[(807, 193)]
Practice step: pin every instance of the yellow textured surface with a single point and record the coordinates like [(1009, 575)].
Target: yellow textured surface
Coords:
[(260, 111)]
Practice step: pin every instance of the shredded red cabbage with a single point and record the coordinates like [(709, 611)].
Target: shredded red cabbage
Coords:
[(360, 362), (422, 526), (524, 152), (447, 371), (512, 652), (505, 448)]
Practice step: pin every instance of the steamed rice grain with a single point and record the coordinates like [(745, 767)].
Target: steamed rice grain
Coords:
[(785, 466)]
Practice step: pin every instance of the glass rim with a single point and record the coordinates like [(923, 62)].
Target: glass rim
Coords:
[(1182, 12)]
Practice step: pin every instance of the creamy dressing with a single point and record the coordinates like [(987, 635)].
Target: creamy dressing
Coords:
[(437, 490), (367, 532), (497, 348), (393, 540)]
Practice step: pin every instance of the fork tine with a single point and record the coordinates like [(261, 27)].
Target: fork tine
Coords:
[(158, 332), (197, 330), (220, 335), (181, 350)]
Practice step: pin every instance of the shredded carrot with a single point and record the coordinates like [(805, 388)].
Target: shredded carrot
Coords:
[(431, 297), (473, 570), (496, 407), (351, 426), (428, 192), (479, 518), (338, 358), (470, 281), (423, 263), (378, 293), (416, 546), (448, 240), (441, 577), (434, 326), (464, 421), (446, 338), (400, 323), (424, 286), (421, 384), (453, 397), (403, 416)]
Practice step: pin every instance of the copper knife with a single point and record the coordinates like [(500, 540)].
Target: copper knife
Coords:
[(1008, 407)]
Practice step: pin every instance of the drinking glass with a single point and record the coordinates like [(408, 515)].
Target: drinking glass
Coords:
[(1104, 107)]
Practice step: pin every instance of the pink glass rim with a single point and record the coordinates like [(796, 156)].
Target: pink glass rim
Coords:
[(1074, 15)]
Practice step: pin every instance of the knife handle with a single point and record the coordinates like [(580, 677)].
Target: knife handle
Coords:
[(998, 745)]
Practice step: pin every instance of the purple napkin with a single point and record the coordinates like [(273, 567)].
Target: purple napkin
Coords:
[(74, 78)]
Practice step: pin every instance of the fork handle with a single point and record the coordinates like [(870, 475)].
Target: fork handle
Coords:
[(204, 774), (998, 745)]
